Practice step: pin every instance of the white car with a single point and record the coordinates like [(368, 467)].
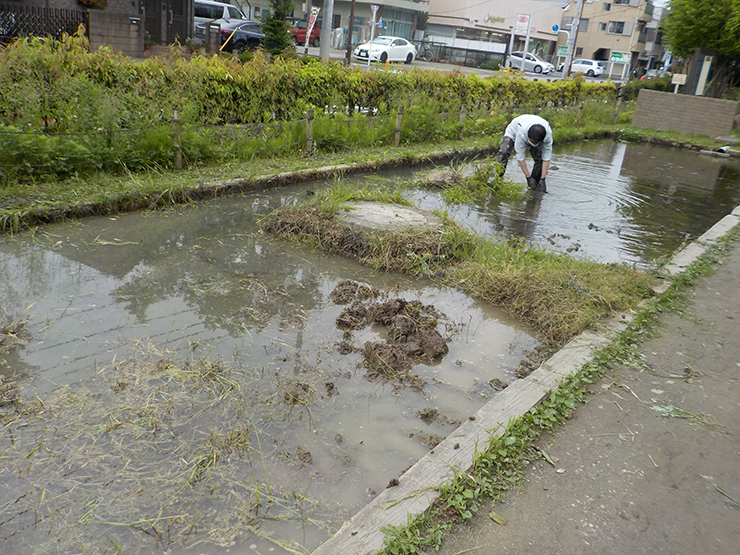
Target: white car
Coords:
[(590, 68), (531, 63), (384, 48)]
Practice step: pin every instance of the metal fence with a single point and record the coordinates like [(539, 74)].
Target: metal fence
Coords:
[(430, 51), (17, 20)]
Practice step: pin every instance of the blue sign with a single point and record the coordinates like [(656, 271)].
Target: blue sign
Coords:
[(555, 28)]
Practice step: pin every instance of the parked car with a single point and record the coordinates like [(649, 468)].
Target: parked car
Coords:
[(298, 28), (591, 68), (246, 34), (655, 74), (208, 10), (384, 48), (531, 63)]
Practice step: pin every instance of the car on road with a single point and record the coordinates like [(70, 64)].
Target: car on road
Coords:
[(236, 35), (208, 10), (655, 74), (297, 29), (590, 68), (531, 63), (385, 48)]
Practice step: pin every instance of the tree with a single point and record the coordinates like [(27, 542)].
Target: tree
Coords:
[(275, 27), (711, 26)]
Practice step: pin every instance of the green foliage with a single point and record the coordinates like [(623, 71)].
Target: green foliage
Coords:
[(704, 24), (275, 27), (495, 65), (632, 89)]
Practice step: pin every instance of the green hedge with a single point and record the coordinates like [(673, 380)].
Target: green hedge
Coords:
[(61, 85), (632, 89), (67, 111)]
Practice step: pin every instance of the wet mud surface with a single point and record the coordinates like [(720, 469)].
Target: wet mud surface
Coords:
[(410, 329), (208, 355)]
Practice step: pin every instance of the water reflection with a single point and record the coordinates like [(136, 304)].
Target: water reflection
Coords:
[(203, 281), (612, 202)]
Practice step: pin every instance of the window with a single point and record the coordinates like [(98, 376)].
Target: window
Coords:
[(616, 27), (602, 26), (606, 6), (398, 23), (620, 2), (234, 13), (579, 51), (583, 25)]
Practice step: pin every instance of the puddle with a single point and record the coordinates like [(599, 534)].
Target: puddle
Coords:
[(201, 283), (612, 202), (196, 361)]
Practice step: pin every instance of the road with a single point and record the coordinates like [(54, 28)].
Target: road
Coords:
[(339, 55)]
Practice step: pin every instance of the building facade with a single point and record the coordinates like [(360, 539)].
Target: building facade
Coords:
[(488, 26), (610, 30), (398, 18)]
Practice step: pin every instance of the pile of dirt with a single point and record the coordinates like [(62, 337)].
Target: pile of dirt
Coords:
[(429, 415), (410, 328)]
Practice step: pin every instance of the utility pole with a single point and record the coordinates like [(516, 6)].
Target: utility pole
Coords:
[(326, 30), (572, 39), (348, 57)]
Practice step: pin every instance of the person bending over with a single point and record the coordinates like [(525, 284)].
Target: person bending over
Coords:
[(528, 132)]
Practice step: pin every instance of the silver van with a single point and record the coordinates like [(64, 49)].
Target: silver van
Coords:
[(207, 10)]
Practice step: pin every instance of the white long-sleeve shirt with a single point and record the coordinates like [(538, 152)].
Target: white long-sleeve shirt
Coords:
[(518, 131)]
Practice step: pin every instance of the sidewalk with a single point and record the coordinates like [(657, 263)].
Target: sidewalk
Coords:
[(629, 478)]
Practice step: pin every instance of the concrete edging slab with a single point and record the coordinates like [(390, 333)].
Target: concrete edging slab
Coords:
[(417, 488)]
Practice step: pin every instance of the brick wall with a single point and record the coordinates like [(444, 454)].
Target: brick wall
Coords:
[(117, 31), (684, 113)]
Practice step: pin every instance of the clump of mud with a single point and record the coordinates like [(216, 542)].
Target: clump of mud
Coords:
[(410, 329), (348, 290), (430, 440), (533, 361), (8, 393), (12, 333), (429, 415), (298, 393)]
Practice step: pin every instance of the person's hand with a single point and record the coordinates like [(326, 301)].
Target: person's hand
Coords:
[(531, 183), (542, 185)]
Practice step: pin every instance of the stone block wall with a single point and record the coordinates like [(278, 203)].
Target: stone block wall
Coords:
[(117, 30), (684, 113)]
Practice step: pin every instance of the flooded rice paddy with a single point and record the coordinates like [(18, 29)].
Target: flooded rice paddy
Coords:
[(184, 386), (612, 202)]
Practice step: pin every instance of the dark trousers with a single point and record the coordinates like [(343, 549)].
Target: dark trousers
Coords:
[(504, 151)]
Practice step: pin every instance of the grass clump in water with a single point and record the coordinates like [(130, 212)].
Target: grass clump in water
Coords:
[(555, 294), (155, 453)]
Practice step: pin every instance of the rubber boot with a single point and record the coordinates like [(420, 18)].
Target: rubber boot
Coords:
[(504, 151)]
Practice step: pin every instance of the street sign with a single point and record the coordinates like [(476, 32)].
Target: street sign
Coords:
[(562, 51), (678, 79), (555, 28), (521, 24), (619, 57)]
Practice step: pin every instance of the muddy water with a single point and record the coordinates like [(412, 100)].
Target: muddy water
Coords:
[(612, 202), (202, 282)]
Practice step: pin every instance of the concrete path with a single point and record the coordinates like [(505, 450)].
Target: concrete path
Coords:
[(652, 463)]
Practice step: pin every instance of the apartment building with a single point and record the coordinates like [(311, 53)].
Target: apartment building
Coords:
[(611, 29)]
